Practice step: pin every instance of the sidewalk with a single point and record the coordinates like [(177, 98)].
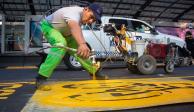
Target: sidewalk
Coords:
[(19, 61)]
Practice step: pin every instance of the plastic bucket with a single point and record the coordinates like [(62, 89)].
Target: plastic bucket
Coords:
[(138, 46)]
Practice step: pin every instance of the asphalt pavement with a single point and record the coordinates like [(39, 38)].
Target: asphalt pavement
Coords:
[(17, 86)]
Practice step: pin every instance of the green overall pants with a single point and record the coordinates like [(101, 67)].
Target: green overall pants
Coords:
[(55, 55)]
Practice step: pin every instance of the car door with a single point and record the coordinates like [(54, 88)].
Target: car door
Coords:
[(92, 35)]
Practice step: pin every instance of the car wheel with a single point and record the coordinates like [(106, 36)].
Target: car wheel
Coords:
[(72, 63), (146, 64)]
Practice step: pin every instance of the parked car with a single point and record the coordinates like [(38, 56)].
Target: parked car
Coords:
[(103, 45)]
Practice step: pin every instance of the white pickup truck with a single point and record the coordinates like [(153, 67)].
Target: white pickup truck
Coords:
[(104, 47)]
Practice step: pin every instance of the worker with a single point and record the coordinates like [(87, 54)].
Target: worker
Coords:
[(63, 28)]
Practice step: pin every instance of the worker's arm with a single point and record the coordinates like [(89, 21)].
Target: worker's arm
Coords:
[(76, 31)]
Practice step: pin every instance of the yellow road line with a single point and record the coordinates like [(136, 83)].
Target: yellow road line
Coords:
[(8, 89), (21, 67)]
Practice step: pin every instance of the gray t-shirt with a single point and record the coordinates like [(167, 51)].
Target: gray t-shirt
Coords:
[(60, 17)]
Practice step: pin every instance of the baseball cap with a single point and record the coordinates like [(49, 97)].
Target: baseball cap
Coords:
[(97, 10)]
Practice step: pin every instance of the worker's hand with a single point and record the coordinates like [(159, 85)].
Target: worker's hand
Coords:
[(83, 51)]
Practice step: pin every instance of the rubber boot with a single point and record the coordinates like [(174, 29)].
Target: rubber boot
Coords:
[(42, 83)]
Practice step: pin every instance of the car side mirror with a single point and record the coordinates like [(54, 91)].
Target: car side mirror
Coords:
[(154, 31), (108, 28), (97, 27)]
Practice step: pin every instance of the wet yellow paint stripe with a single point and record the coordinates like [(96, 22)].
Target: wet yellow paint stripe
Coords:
[(7, 89), (20, 67), (113, 94)]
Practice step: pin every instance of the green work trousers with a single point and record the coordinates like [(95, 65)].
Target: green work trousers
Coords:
[(55, 55)]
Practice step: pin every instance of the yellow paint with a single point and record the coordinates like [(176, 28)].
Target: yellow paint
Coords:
[(6, 92), (116, 94), (7, 89), (21, 67), (129, 41)]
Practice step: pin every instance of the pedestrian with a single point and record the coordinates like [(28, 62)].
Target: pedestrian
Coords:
[(63, 28)]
